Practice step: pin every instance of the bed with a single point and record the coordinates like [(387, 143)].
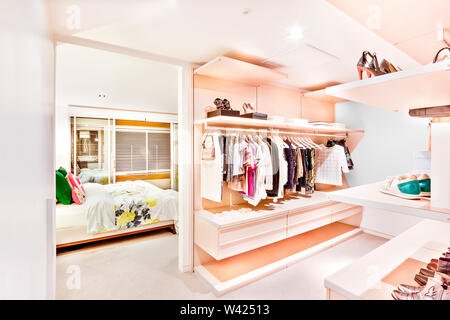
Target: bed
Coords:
[(116, 210)]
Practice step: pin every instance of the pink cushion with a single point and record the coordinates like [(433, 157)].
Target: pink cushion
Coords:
[(78, 192)]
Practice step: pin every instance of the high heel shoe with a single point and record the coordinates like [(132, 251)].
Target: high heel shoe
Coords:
[(388, 67), (437, 58), (371, 68)]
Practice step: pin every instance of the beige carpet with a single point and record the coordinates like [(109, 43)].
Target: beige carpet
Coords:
[(145, 267)]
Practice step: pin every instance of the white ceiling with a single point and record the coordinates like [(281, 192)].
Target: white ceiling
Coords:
[(415, 32), (199, 30)]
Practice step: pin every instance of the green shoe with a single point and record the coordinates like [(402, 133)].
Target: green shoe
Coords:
[(425, 185), (402, 187)]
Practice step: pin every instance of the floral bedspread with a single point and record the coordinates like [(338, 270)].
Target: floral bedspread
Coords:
[(135, 213), (127, 205)]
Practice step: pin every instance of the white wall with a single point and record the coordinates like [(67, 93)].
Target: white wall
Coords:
[(26, 127), (389, 143), (129, 82), (387, 149)]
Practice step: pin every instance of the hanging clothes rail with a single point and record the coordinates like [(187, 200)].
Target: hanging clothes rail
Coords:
[(275, 131)]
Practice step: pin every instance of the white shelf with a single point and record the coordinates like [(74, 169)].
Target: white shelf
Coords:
[(400, 91), (248, 259), (245, 213), (256, 123), (363, 278), (323, 96), (369, 196), (240, 71)]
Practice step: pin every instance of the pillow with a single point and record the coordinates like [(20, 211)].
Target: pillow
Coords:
[(63, 171), (63, 189), (78, 192)]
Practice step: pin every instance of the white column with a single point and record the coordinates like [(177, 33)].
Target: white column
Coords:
[(440, 165), (185, 167), (27, 184)]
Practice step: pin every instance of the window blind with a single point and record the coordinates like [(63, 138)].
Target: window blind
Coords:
[(130, 151), (158, 151)]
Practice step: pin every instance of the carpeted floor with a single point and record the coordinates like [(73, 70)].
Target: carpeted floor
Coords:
[(145, 267)]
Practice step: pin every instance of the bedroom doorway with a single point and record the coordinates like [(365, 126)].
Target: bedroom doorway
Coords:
[(119, 150)]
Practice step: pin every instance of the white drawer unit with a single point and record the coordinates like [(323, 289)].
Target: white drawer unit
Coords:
[(240, 239), (305, 220), (223, 240)]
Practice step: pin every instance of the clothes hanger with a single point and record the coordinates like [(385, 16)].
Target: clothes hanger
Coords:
[(312, 143), (305, 144), (299, 142), (309, 143)]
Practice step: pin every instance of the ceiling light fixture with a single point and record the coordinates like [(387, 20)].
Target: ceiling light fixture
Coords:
[(295, 33)]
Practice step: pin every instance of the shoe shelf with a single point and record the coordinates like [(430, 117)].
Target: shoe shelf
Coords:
[(400, 91), (240, 71), (374, 276), (369, 196)]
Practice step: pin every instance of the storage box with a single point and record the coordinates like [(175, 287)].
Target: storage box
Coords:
[(254, 115), (221, 112)]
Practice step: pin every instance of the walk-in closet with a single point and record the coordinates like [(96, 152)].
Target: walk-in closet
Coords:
[(225, 150)]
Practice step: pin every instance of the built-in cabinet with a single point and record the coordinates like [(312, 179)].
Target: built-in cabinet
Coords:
[(234, 242), (223, 238)]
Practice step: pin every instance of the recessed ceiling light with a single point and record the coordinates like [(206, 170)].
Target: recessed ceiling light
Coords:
[(295, 33)]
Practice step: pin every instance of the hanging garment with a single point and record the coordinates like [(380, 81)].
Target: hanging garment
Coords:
[(306, 182), (238, 156), (289, 156), (309, 177), (250, 167), (331, 163), (273, 192), (313, 166), (302, 180), (259, 191), (267, 163), (298, 166), (228, 164), (331, 143), (347, 155), (283, 167), (212, 169), (280, 169), (223, 147)]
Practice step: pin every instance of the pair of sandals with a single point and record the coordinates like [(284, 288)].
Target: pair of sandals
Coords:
[(222, 104), (412, 187), (372, 67)]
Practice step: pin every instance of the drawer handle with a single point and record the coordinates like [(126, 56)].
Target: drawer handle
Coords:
[(348, 207), (309, 221), (233, 242), (252, 223), (350, 213), (332, 208)]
